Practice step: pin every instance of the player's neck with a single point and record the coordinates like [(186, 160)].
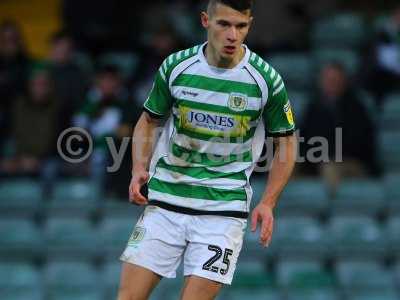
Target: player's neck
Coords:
[(214, 59)]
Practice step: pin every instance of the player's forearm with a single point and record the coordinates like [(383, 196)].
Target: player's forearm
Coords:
[(143, 142), (282, 167)]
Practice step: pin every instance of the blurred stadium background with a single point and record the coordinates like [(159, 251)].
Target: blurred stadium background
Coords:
[(91, 64)]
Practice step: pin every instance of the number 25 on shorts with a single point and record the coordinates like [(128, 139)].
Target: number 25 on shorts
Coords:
[(208, 265)]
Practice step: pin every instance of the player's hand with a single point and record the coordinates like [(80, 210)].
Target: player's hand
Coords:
[(263, 214), (139, 178)]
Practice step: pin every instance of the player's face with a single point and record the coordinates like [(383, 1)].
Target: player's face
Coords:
[(227, 29)]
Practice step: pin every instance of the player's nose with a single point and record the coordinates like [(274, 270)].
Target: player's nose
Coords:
[(232, 34)]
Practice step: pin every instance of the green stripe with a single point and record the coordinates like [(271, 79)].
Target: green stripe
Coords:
[(201, 172), (208, 159), (206, 137), (217, 85), (254, 114), (197, 192)]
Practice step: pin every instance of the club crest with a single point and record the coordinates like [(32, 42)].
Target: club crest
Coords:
[(237, 102)]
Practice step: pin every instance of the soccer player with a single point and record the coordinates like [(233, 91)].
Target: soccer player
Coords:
[(219, 98)]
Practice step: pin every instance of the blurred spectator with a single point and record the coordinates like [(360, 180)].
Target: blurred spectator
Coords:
[(159, 44), (338, 106), (385, 77), (14, 63), (33, 130), (104, 114), (69, 80)]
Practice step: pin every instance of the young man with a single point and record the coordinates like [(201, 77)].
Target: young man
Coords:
[(219, 97)]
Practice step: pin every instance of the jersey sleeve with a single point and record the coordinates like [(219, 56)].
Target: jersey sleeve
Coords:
[(278, 115), (159, 101)]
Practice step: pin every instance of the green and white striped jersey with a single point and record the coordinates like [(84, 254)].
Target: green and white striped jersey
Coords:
[(215, 131)]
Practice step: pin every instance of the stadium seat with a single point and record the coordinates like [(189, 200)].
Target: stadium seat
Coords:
[(391, 113), (286, 269), (359, 196), (389, 143), (391, 294), (77, 196), (311, 280), (20, 239), (34, 294), (20, 197), (393, 235), (298, 237), (313, 294), (261, 293), (125, 62), (350, 59), (360, 275), (19, 276), (286, 63), (71, 237), (340, 31), (110, 276), (392, 191), (355, 236), (304, 197), (115, 233), (70, 277), (252, 274)]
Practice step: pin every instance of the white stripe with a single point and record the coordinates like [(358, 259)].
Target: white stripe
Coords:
[(164, 66), (278, 79), (187, 52), (220, 183), (162, 74), (228, 168), (208, 205), (273, 73), (278, 89), (170, 58), (215, 146), (266, 68), (253, 56), (195, 49), (210, 97), (260, 61), (178, 56)]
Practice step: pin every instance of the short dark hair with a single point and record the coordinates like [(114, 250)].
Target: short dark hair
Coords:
[(239, 5)]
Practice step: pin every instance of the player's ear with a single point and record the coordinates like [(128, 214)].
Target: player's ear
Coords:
[(205, 19), (251, 22)]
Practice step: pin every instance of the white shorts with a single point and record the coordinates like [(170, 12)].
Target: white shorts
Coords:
[(209, 245)]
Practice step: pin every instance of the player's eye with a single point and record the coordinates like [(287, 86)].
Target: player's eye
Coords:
[(223, 23), (241, 26)]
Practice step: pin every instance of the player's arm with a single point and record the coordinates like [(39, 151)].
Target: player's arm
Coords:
[(157, 106), (144, 137), (279, 122), (282, 167)]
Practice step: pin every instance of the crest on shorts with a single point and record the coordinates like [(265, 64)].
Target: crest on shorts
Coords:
[(137, 235), (288, 112), (237, 101)]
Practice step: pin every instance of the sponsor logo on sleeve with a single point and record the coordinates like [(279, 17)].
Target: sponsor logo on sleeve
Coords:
[(288, 112)]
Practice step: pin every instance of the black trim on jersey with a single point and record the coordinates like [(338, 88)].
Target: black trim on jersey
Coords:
[(195, 212), (153, 115), (282, 134)]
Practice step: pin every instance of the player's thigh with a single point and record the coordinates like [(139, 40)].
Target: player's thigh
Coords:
[(198, 288), (136, 282)]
